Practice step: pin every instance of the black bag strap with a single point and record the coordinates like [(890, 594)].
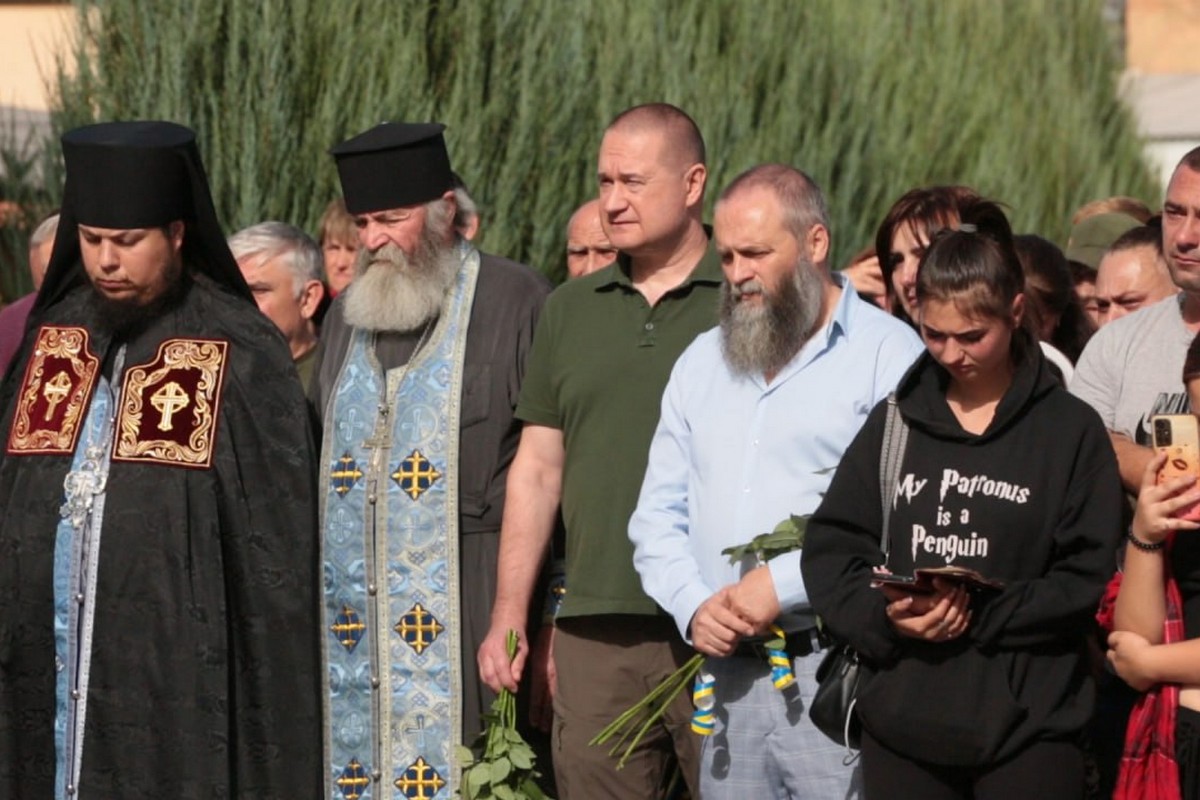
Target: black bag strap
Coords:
[(895, 438)]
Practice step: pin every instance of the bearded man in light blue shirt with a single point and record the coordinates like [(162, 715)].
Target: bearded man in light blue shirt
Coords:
[(755, 418)]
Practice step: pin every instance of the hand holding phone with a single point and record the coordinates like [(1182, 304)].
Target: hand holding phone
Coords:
[(1177, 438)]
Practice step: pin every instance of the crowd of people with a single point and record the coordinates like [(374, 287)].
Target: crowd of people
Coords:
[(272, 505)]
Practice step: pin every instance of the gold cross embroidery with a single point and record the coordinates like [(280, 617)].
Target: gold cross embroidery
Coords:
[(416, 625), (167, 401), (420, 781), (348, 628), (345, 474), (55, 391), (415, 474), (353, 781)]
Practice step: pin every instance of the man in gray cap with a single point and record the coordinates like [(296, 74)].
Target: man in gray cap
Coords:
[(158, 569), (420, 364)]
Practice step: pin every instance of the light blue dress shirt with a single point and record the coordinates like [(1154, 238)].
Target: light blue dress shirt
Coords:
[(733, 456)]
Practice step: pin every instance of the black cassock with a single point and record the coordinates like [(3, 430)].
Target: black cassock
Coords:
[(203, 678)]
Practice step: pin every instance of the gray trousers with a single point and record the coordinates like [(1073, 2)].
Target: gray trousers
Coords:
[(764, 745)]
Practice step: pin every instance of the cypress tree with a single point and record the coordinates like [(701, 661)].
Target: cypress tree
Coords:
[(1017, 99)]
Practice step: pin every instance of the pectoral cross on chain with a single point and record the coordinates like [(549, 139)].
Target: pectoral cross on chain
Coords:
[(55, 391), (379, 444), (167, 401)]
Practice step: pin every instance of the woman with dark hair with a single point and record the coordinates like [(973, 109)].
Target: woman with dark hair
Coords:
[(1056, 315), (904, 235), (974, 693), (1139, 650)]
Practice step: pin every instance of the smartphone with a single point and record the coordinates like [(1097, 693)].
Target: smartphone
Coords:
[(908, 583), (1178, 435)]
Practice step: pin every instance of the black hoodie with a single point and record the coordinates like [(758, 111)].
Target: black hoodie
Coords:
[(1034, 501)]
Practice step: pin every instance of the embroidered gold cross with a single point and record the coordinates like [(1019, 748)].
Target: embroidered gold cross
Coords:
[(55, 391), (420, 781), (167, 401), (415, 474), (418, 628), (348, 628), (353, 781)]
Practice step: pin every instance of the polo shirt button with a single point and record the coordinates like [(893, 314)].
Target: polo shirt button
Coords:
[(374, 681), (649, 326), (371, 589)]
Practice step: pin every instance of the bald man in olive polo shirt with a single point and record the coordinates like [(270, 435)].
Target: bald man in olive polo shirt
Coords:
[(601, 357)]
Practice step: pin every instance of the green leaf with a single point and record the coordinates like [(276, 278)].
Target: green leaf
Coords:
[(737, 553), (498, 747), (504, 792), (479, 776), (786, 526), (532, 791), (465, 755), (522, 758), (788, 535), (501, 768)]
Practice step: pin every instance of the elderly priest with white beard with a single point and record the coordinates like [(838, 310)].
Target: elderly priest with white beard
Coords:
[(420, 364)]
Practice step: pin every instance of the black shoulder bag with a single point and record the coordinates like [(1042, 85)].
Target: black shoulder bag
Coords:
[(840, 673)]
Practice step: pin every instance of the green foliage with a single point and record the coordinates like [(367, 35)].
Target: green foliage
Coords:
[(1016, 98), (502, 764), (23, 162), (627, 730), (787, 536)]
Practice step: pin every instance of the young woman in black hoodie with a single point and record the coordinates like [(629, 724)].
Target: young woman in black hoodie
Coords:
[(973, 694)]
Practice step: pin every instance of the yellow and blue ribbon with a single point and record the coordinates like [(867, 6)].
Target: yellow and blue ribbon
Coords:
[(704, 689), (781, 666), (704, 700)]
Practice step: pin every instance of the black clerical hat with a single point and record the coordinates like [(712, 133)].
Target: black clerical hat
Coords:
[(129, 174), (393, 164), (138, 174)]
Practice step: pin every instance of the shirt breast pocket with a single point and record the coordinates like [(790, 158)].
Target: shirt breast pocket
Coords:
[(476, 394)]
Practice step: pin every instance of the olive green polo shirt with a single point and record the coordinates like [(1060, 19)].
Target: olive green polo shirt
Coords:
[(600, 361)]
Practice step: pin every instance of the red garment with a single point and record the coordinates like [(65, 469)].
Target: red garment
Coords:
[(1148, 770), (1108, 603)]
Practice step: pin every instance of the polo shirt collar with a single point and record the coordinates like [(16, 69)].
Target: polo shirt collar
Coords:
[(707, 272)]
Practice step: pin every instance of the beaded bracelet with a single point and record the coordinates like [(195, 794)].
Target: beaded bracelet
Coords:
[(1145, 547)]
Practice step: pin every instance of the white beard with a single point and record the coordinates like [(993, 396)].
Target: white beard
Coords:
[(397, 292)]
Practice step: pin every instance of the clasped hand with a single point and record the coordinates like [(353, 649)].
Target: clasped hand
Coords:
[(743, 609), (937, 617)]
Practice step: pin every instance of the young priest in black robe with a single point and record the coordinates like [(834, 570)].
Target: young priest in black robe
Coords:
[(158, 559)]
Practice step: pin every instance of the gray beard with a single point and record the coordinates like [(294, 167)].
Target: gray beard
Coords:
[(393, 291), (761, 340)]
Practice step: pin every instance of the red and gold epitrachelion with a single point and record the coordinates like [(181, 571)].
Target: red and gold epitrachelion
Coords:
[(169, 407), (55, 393)]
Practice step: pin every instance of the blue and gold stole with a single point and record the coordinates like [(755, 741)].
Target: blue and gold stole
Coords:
[(389, 515)]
